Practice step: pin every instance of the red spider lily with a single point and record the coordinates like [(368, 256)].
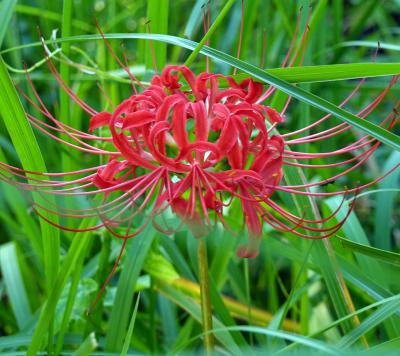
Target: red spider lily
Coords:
[(198, 145), (195, 144)]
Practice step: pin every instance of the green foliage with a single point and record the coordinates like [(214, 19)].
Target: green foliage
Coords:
[(321, 297)]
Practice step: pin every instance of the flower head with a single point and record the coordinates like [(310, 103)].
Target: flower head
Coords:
[(195, 144)]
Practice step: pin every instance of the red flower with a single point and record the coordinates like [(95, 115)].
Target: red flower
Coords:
[(195, 144)]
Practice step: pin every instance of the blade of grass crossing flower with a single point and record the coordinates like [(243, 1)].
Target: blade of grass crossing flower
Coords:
[(385, 204), (129, 333), (157, 14), (331, 72), (31, 158), (303, 74), (14, 284), (7, 8), (136, 255), (77, 249), (375, 131)]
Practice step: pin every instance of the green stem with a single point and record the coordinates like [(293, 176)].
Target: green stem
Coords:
[(205, 301), (248, 298)]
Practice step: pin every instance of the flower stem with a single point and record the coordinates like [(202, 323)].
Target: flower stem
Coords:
[(205, 302)]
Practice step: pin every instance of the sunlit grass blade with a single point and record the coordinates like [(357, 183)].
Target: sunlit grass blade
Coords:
[(28, 150), (331, 72)]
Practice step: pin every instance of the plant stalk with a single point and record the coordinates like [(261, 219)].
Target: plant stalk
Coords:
[(205, 302)]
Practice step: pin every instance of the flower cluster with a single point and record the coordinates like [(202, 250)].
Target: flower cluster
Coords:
[(197, 145)]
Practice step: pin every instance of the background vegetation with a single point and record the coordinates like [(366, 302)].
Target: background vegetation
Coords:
[(328, 296)]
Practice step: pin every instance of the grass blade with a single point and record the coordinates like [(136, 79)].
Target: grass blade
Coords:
[(375, 131), (6, 11), (119, 318), (14, 284), (31, 158), (129, 333)]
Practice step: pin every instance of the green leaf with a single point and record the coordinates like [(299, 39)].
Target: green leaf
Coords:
[(157, 15), (386, 256), (77, 249), (6, 11), (331, 72), (129, 333), (14, 284), (385, 203), (375, 131), (29, 153), (87, 346), (380, 315), (131, 268)]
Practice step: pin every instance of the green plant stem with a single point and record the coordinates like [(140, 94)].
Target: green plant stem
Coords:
[(248, 298), (205, 300)]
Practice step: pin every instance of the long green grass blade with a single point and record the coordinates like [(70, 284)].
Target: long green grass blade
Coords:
[(375, 131), (331, 72), (31, 158)]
